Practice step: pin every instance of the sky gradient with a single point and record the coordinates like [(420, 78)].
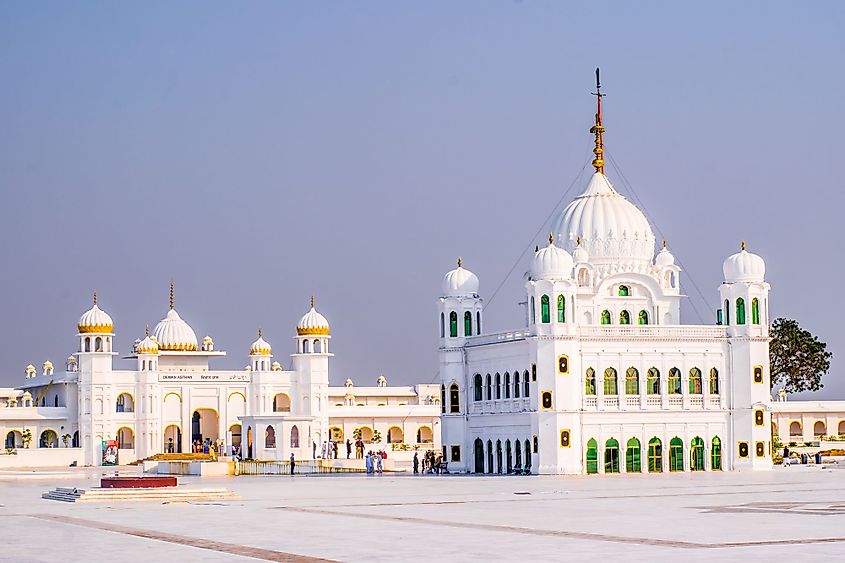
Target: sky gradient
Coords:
[(258, 152)]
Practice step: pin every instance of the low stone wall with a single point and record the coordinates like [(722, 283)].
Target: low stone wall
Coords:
[(201, 468), (41, 457)]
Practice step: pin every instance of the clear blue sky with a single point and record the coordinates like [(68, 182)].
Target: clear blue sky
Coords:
[(260, 151)]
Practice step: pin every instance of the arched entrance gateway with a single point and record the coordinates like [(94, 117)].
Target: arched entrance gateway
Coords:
[(173, 439), (205, 425), (479, 456)]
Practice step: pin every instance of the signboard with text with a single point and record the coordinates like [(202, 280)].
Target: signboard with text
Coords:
[(203, 377)]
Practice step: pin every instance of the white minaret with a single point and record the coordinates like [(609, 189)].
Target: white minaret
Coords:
[(260, 354), (744, 298), (311, 364)]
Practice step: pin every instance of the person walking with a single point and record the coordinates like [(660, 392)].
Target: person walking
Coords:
[(292, 463), (786, 456), (379, 460), (348, 448), (416, 463), (368, 462)]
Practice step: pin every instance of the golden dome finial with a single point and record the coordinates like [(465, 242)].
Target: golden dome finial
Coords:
[(147, 329), (95, 297), (172, 296), (664, 243), (598, 129), (551, 238), (312, 300), (460, 262), (743, 245), (578, 241), (260, 333)]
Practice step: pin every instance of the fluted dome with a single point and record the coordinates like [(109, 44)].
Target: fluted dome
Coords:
[(460, 282), (174, 334), (664, 258), (95, 320), (611, 228), (744, 267), (312, 323), (148, 345), (260, 347), (551, 262), (580, 254)]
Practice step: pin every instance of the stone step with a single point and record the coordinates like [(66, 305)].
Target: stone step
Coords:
[(69, 494)]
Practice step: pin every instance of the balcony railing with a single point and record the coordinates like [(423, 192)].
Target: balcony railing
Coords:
[(652, 331)]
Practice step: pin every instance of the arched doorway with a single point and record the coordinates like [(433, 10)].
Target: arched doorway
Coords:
[(676, 454), (48, 439), (611, 456), (478, 449), (592, 457), (498, 456), (74, 443), (14, 439), (489, 456), (125, 438), (173, 439), (205, 425), (508, 457), (270, 438), (697, 454), (249, 442)]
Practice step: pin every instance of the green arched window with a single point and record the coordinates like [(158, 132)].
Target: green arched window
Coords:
[(605, 317), (653, 381), (714, 381), (632, 456), (643, 318), (453, 324), (632, 381), (676, 454), (611, 456), (545, 314), (674, 381), (624, 318), (610, 387), (697, 453), (533, 313), (561, 309), (695, 381), (467, 324), (655, 455), (716, 454), (592, 457), (755, 311), (590, 382), (623, 291), (740, 311)]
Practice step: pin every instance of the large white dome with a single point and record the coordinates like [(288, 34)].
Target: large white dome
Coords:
[(95, 320), (611, 228), (460, 282), (744, 267), (172, 333), (313, 323), (551, 262)]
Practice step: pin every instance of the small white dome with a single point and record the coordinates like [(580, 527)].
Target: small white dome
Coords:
[(172, 333), (460, 282), (580, 254), (95, 320), (276, 366), (664, 257), (260, 347), (744, 267), (148, 345), (312, 323), (551, 262)]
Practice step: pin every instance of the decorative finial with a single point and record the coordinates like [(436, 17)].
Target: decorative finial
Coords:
[(95, 297), (551, 238), (460, 262), (147, 329), (536, 248), (312, 300), (598, 129), (578, 241), (664, 243), (743, 245), (260, 333), (172, 287)]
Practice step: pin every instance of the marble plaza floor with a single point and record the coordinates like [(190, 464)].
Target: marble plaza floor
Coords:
[(792, 514)]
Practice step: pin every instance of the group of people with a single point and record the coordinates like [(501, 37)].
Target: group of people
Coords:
[(328, 450), (431, 463), (206, 446), (374, 461)]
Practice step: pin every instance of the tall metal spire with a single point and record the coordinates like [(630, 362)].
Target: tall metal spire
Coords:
[(598, 129), (172, 284), (95, 297)]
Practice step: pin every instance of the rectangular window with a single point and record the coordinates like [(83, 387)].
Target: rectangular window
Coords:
[(563, 364), (758, 374), (743, 449), (546, 400), (760, 449), (564, 439), (533, 372), (758, 417), (456, 453), (535, 443)]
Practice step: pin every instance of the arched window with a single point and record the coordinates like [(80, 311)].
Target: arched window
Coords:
[(525, 388), (476, 387), (610, 387), (740, 311), (516, 385), (632, 456), (561, 309), (489, 387), (623, 291), (395, 435), (467, 323), (518, 454), (98, 344), (695, 384), (632, 381), (478, 322), (795, 429), (125, 403), (605, 317), (454, 399), (592, 457), (507, 385), (508, 457), (294, 437), (624, 318), (442, 325), (755, 311), (819, 429), (674, 382), (527, 455), (652, 386), (643, 318), (727, 312), (697, 454), (87, 343), (533, 313), (611, 456), (498, 456), (655, 455), (125, 439), (545, 314), (306, 347), (281, 402), (442, 399), (498, 386), (714, 381), (453, 324), (270, 438), (716, 454), (676, 454), (590, 382)]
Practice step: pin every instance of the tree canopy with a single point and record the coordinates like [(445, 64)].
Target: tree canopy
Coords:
[(798, 358)]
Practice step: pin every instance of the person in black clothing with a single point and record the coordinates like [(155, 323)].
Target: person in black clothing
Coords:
[(348, 448), (292, 463), (416, 463)]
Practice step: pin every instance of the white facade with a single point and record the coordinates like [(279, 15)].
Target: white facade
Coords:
[(603, 376), (172, 399)]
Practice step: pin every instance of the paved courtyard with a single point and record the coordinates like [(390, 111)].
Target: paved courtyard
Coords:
[(794, 514)]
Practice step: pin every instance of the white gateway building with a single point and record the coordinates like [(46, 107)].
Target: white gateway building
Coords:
[(604, 377)]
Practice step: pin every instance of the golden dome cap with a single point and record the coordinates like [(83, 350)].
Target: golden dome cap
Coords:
[(260, 347), (312, 323), (95, 320)]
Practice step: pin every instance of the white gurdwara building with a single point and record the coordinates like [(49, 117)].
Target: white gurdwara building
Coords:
[(604, 377), (171, 398)]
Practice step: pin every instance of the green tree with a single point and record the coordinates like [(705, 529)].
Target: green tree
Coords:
[(798, 359)]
